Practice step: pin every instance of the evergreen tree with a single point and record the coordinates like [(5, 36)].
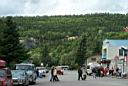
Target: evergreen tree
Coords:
[(2, 27), (81, 52), (11, 49), (45, 58)]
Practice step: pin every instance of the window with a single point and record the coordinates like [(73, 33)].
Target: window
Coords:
[(125, 53), (2, 73), (120, 52), (24, 67)]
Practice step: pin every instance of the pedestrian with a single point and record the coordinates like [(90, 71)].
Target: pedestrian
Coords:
[(112, 71), (117, 71), (94, 72), (52, 75), (106, 70), (37, 72), (101, 71), (80, 72), (98, 72), (84, 75), (120, 72), (55, 77)]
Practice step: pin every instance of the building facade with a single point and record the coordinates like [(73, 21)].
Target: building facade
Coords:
[(116, 51)]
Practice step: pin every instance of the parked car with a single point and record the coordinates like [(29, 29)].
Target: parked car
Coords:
[(31, 71), (42, 71), (5, 75), (20, 77), (90, 66), (60, 70)]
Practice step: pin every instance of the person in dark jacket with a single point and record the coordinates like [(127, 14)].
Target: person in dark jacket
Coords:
[(80, 72), (52, 74), (94, 72), (37, 72)]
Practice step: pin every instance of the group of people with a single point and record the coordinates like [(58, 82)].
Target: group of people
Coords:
[(101, 71), (96, 71), (116, 72), (54, 76)]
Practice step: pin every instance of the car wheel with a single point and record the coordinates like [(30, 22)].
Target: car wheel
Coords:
[(34, 81), (27, 83)]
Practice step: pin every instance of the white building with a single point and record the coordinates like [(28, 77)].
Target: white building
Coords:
[(116, 51)]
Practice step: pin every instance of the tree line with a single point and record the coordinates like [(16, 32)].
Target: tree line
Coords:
[(52, 36)]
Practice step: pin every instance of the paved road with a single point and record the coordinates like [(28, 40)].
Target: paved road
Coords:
[(70, 79)]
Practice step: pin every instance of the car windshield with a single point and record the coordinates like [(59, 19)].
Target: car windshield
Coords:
[(24, 67), (17, 73), (2, 73)]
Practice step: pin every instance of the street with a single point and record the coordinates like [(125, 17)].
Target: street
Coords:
[(70, 79)]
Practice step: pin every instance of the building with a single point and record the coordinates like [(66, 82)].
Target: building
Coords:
[(115, 53), (29, 42)]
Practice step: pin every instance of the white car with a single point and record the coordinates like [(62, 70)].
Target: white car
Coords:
[(42, 71), (90, 66)]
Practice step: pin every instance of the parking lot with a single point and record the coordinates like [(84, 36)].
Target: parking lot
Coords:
[(70, 79)]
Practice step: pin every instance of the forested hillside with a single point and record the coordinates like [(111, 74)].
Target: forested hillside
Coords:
[(57, 38)]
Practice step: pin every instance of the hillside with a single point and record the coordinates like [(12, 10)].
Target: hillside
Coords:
[(52, 34)]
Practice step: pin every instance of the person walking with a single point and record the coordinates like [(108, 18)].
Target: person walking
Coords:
[(80, 72), (52, 75), (37, 72), (55, 78), (112, 71), (94, 71)]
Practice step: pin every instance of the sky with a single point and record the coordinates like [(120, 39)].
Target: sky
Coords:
[(61, 7)]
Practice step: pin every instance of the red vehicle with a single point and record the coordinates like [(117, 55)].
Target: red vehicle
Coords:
[(60, 70), (5, 75)]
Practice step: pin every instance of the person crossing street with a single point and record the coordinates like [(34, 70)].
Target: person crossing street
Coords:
[(80, 72)]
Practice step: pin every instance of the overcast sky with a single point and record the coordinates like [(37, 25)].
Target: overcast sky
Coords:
[(61, 7)]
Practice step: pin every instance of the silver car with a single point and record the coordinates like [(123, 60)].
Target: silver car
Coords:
[(31, 71), (20, 77)]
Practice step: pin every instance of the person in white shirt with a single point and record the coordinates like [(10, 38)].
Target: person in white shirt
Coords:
[(55, 75)]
